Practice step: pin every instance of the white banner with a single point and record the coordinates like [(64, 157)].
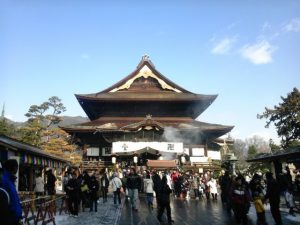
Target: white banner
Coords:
[(214, 155), (127, 146), (199, 159), (198, 151)]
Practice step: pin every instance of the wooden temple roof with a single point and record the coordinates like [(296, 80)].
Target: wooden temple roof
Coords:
[(144, 84), (125, 124)]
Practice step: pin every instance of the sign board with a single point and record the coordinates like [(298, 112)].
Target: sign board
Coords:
[(93, 151), (198, 151), (127, 146), (198, 159)]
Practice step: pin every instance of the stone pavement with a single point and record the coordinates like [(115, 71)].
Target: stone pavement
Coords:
[(184, 212)]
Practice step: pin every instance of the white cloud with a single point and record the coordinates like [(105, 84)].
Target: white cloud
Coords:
[(258, 53), (223, 46), (293, 25)]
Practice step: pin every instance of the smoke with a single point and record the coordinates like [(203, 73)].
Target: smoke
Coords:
[(172, 134), (168, 156), (189, 135)]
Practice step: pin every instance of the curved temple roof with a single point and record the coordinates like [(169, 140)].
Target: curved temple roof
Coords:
[(118, 124), (144, 84)]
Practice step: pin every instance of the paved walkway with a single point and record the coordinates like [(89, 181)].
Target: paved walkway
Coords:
[(184, 212)]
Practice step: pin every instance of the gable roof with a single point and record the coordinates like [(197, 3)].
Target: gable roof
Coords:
[(145, 84), (145, 69)]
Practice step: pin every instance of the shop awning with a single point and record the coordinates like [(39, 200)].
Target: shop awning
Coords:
[(161, 163)]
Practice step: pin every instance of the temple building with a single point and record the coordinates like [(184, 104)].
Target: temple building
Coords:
[(147, 120)]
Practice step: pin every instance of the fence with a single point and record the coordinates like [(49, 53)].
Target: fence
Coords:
[(43, 209)]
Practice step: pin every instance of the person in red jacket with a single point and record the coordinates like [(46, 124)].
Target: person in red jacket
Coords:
[(240, 200)]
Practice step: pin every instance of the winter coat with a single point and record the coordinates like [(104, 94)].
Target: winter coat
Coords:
[(148, 185), (212, 184), (259, 206), (116, 183), (273, 192), (51, 179), (72, 188), (134, 181), (240, 195), (164, 194), (15, 207), (94, 187), (104, 182)]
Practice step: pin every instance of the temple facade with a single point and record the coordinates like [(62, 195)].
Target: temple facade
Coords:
[(147, 120)]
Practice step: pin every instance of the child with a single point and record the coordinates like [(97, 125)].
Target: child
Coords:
[(259, 207), (289, 198)]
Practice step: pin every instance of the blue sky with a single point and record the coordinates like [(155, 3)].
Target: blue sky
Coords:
[(246, 51)]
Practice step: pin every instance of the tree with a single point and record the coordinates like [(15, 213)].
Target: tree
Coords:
[(240, 149), (54, 105), (273, 146), (252, 151), (248, 149), (256, 166), (57, 142), (286, 118), (40, 130)]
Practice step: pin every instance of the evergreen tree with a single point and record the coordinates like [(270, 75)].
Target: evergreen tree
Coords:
[(286, 118), (40, 130)]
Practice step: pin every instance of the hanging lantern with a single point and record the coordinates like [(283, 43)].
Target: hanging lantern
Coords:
[(135, 159), (200, 170), (183, 160), (114, 159)]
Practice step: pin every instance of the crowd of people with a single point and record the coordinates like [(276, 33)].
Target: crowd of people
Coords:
[(85, 190)]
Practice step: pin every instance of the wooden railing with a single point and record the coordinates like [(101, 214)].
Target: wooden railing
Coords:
[(95, 165), (42, 209)]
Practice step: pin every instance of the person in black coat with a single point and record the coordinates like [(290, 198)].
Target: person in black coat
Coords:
[(164, 200), (51, 179), (72, 190), (94, 187), (104, 186), (156, 185), (133, 185), (273, 194)]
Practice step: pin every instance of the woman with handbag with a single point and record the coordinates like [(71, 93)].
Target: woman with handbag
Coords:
[(116, 185)]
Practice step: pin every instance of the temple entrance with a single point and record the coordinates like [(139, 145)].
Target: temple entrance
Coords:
[(143, 158)]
